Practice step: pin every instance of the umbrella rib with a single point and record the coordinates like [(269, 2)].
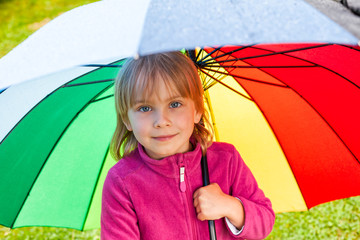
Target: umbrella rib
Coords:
[(198, 54), (207, 83), (351, 47), (210, 83), (232, 89), (281, 52), (94, 188), (1, 90), (103, 65), (208, 55), (294, 66), (321, 66), (102, 98), (95, 65), (250, 79), (87, 83), (224, 54), (268, 54), (111, 65)]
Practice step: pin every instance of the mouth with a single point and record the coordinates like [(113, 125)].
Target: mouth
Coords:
[(164, 138)]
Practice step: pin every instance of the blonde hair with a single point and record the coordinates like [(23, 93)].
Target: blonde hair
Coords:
[(141, 77)]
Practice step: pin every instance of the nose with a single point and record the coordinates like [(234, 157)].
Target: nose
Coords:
[(162, 119)]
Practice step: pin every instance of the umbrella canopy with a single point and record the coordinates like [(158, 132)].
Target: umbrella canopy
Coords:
[(290, 111), (55, 129), (107, 30), (344, 12)]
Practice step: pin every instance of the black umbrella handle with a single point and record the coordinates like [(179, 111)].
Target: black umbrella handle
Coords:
[(206, 181)]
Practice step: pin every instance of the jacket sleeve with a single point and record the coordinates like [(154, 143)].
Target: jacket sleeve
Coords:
[(118, 217), (259, 216)]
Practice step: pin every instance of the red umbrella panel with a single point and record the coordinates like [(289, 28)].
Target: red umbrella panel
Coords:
[(305, 149)]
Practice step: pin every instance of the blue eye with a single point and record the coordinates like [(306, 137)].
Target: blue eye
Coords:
[(175, 104), (144, 109)]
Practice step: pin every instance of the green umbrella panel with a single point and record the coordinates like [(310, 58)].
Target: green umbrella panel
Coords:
[(55, 158)]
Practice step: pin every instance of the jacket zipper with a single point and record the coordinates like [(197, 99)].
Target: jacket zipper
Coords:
[(183, 188), (182, 179)]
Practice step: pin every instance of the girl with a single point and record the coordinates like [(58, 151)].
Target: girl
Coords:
[(155, 191)]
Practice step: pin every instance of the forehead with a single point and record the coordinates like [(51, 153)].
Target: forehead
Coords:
[(159, 88)]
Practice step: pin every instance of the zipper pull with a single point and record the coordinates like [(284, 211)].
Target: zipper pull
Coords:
[(182, 179)]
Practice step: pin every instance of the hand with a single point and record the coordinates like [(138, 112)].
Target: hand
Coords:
[(212, 203)]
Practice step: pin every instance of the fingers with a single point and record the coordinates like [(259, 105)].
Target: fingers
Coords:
[(209, 188), (196, 202), (199, 210), (201, 217), (206, 201), (199, 203), (202, 214)]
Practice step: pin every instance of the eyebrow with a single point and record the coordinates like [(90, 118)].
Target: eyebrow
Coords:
[(138, 101)]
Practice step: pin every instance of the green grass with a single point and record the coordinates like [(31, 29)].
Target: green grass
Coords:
[(336, 220), (20, 18), (47, 233)]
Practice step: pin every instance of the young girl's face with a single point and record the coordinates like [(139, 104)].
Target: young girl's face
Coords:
[(164, 123)]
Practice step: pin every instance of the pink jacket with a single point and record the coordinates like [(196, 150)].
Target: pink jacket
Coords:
[(142, 197)]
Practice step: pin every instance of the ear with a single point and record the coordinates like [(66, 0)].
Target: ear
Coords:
[(127, 125), (197, 117)]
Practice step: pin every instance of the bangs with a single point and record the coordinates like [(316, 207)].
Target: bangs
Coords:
[(148, 82), (142, 78)]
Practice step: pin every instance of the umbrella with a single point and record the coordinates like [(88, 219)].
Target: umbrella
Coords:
[(292, 116), (55, 129)]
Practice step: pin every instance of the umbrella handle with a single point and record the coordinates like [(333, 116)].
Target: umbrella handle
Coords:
[(206, 181)]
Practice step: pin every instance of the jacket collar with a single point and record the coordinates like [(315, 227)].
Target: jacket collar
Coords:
[(170, 166)]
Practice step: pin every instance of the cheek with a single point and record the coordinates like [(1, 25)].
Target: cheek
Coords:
[(132, 122), (128, 125), (186, 121), (139, 125)]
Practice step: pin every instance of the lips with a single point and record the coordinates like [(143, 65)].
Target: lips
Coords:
[(164, 138)]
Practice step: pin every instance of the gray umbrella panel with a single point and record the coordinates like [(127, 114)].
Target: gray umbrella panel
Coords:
[(342, 12), (113, 29), (206, 23)]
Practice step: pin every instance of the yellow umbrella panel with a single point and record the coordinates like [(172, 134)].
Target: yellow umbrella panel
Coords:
[(238, 120)]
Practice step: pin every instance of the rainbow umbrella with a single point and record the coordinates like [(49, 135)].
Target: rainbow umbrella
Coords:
[(288, 108)]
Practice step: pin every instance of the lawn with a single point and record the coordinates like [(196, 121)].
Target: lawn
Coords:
[(20, 18), (335, 220)]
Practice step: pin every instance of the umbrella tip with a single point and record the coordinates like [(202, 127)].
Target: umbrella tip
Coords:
[(136, 56)]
